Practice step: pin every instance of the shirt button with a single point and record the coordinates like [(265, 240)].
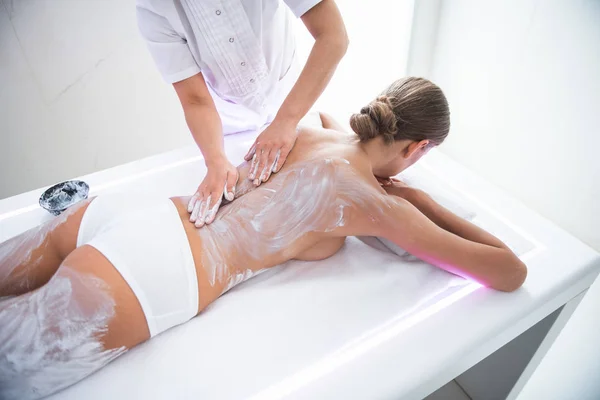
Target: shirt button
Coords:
[(218, 12), (252, 80), (231, 40), (243, 63)]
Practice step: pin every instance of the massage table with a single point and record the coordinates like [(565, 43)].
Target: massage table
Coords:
[(364, 324)]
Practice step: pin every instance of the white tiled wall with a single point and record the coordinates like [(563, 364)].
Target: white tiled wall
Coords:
[(78, 92)]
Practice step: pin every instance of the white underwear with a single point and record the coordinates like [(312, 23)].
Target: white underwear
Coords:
[(145, 241)]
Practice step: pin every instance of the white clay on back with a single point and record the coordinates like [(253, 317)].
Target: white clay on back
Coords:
[(309, 197)]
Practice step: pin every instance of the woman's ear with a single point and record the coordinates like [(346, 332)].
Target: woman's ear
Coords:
[(415, 147)]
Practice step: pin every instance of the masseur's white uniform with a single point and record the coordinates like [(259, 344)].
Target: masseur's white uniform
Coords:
[(245, 50)]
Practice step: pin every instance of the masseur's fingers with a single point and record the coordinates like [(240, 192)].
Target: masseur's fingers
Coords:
[(208, 210), (271, 148), (250, 152), (195, 209), (270, 165), (282, 155), (220, 180), (264, 165), (192, 202), (253, 167), (232, 178), (267, 165), (260, 165), (199, 222)]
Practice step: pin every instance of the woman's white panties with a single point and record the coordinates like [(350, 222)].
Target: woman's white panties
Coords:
[(145, 241)]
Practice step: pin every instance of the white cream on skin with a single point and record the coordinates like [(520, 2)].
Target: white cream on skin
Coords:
[(50, 338), (18, 251), (309, 197)]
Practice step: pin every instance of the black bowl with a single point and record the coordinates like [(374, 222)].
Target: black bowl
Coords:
[(63, 195)]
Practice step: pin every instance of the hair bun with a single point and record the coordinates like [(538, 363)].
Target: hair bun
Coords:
[(377, 118)]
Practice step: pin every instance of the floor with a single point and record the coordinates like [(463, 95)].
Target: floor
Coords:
[(450, 391)]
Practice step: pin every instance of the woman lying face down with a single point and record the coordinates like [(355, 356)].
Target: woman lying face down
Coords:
[(114, 271)]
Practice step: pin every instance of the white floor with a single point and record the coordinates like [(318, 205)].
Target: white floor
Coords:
[(450, 391)]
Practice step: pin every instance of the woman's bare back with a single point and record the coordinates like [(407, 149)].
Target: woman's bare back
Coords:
[(305, 211)]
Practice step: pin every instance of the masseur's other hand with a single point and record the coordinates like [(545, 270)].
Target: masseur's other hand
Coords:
[(219, 182), (270, 150)]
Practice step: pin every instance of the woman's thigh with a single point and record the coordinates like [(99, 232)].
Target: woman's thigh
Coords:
[(56, 335)]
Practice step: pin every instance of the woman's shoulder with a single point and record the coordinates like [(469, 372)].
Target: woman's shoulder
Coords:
[(326, 145)]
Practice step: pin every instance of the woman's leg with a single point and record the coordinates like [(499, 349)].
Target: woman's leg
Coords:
[(29, 260), (84, 317)]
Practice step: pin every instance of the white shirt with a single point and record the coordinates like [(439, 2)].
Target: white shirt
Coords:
[(244, 48)]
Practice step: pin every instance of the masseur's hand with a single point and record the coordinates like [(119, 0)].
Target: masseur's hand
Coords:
[(270, 150), (219, 182)]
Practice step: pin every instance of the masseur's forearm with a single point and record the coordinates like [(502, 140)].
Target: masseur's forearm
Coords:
[(205, 125), (328, 50), (447, 220)]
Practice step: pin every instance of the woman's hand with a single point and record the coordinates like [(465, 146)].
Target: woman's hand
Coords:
[(220, 180), (390, 182), (395, 187), (270, 150)]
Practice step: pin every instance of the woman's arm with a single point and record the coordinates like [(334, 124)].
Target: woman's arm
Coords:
[(437, 236), (443, 217)]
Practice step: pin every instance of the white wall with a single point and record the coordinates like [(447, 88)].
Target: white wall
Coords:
[(524, 88), (78, 92), (523, 81), (379, 33)]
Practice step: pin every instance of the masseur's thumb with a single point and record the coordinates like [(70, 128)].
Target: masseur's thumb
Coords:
[(232, 178)]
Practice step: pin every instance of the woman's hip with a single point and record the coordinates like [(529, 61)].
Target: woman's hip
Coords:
[(145, 242)]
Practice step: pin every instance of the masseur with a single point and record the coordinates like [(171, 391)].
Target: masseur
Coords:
[(232, 64)]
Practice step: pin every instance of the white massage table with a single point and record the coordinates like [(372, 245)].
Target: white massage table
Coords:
[(364, 324)]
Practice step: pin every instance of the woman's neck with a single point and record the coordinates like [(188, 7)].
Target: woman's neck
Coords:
[(379, 153)]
